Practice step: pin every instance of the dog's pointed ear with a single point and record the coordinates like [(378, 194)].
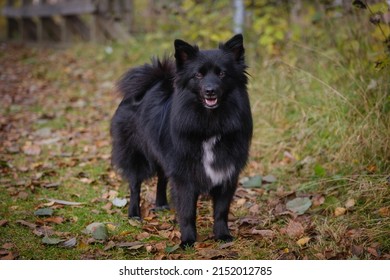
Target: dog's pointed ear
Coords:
[(184, 51), (236, 46)]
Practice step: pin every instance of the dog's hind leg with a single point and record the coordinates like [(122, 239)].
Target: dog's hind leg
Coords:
[(161, 194), (135, 192), (222, 198)]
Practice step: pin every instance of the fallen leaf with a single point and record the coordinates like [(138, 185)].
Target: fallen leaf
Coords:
[(245, 221), (357, 250), (269, 179), (350, 203), (27, 224), (211, 254), (384, 211), (44, 212), (172, 249), (86, 180), (294, 229), (150, 249), (111, 244), (31, 150), (254, 209), (23, 195), (373, 251), (108, 206), (111, 227), (64, 202), (128, 244), (56, 220), (226, 245), (51, 240), (240, 202), (339, 211), (70, 243), (7, 246), (136, 247), (299, 205), (135, 222), (142, 236), (52, 185), (253, 182), (3, 223), (9, 256), (119, 202), (263, 232), (98, 231), (318, 200), (303, 241)]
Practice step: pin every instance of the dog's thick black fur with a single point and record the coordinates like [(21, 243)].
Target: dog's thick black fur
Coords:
[(189, 122)]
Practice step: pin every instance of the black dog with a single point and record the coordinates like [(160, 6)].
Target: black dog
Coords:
[(188, 120)]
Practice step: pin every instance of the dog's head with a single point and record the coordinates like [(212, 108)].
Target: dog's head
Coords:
[(211, 74)]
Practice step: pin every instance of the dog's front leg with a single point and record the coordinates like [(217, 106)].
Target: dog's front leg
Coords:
[(222, 197), (185, 203)]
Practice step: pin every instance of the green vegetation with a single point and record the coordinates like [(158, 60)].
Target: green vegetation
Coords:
[(321, 105)]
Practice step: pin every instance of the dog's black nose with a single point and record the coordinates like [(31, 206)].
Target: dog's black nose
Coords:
[(209, 90)]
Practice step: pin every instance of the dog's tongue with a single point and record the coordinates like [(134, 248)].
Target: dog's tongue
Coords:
[(211, 101)]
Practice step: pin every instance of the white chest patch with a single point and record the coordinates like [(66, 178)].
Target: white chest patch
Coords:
[(217, 176)]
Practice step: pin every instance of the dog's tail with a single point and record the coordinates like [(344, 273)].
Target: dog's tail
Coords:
[(137, 81)]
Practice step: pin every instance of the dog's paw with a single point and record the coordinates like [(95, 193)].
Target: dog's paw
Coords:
[(224, 238), (137, 218)]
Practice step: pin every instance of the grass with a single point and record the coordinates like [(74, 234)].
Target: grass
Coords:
[(321, 117)]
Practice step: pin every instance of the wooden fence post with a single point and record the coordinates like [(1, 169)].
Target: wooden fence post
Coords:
[(62, 20)]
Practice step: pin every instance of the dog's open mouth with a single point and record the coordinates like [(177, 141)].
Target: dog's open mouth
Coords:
[(211, 102)]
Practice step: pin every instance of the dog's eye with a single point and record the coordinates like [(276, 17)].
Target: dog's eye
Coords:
[(198, 75), (222, 74)]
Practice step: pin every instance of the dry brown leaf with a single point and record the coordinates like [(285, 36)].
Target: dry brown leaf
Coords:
[(350, 203), (56, 220), (142, 236), (294, 229), (22, 195), (357, 250), (211, 254), (108, 206), (373, 251), (318, 200), (240, 202), (254, 210), (150, 249), (31, 150), (165, 226), (164, 233), (226, 245), (3, 223), (267, 233), (384, 211), (27, 224), (339, 211), (10, 256), (160, 246), (7, 246), (129, 244), (110, 244)]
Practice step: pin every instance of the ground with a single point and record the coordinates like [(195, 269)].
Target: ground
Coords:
[(56, 178)]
